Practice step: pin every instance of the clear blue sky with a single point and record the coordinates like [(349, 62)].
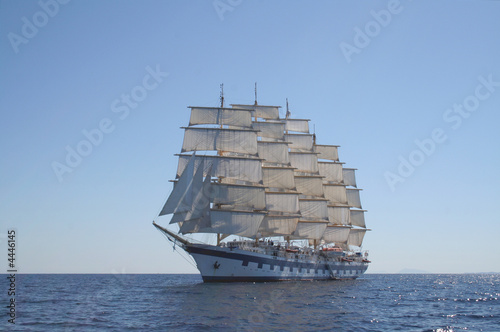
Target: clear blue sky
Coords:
[(68, 69)]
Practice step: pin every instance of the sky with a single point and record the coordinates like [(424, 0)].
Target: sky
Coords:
[(93, 94)]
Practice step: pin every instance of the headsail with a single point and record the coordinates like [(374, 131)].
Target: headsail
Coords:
[(181, 197), (201, 200)]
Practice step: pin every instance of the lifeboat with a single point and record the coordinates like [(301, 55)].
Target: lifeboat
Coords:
[(332, 249)]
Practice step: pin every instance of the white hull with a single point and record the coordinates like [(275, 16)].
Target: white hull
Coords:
[(223, 264)]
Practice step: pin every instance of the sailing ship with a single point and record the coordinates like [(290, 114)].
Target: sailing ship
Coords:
[(279, 205)]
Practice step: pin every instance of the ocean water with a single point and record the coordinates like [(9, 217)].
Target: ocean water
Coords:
[(374, 302)]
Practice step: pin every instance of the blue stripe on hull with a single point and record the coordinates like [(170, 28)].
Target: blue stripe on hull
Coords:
[(302, 267), (258, 279)]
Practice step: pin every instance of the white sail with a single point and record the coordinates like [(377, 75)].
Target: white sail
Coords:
[(356, 236), (201, 225), (269, 129), (231, 167), (181, 198), (269, 181), (235, 222), (181, 217), (202, 196), (282, 202), (353, 198), (278, 225), (239, 195), (297, 125), (278, 177), (300, 142), (273, 152), (264, 112), (349, 177), (329, 152), (217, 139), (335, 194), (331, 171), (314, 209), (309, 185), (339, 215), (337, 234), (220, 116), (358, 218), (310, 229), (304, 161)]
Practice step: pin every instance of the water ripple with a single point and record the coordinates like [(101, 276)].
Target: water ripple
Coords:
[(183, 303)]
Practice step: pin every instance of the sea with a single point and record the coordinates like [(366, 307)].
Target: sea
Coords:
[(182, 302)]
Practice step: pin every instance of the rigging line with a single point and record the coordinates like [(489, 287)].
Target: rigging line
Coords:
[(191, 262), (180, 253), (165, 235), (161, 207)]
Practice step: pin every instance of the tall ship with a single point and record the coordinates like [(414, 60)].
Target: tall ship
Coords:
[(277, 204)]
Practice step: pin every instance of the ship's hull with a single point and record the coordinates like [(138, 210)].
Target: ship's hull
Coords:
[(224, 264)]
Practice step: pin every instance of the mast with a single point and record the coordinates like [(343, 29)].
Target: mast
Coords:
[(222, 95), (287, 110), (255, 94), (219, 237)]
